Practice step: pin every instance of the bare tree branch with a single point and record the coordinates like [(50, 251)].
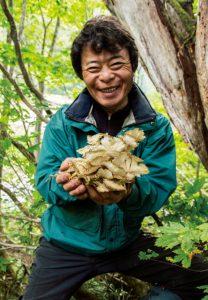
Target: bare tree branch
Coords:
[(24, 151), (20, 178), (9, 246), (15, 200), (22, 119), (20, 147), (54, 37), (157, 220), (22, 21), (20, 93), (20, 59), (20, 218), (18, 162), (45, 28)]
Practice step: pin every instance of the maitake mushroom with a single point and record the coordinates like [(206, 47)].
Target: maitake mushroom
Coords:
[(107, 162)]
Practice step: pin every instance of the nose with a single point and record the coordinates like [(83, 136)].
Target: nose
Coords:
[(106, 74)]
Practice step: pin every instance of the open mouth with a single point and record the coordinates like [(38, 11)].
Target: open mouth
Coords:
[(109, 90)]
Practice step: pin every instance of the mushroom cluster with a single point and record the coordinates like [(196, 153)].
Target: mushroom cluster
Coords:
[(107, 162)]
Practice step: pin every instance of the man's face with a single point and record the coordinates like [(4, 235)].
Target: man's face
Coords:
[(108, 77)]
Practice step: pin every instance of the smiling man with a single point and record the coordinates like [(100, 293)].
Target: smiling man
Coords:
[(86, 233)]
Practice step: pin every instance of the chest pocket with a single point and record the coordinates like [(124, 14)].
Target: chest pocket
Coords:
[(81, 215)]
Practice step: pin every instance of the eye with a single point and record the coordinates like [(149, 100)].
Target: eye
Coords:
[(117, 65), (93, 69)]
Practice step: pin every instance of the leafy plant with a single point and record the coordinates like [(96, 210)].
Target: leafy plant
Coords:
[(4, 262), (185, 240), (205, 288), (145, 255)]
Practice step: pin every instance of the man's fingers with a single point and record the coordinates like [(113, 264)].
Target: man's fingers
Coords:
[(62, 178), (65, 164), (72, 184), (83, 196), (81, 189), (105, 198), (93, 193), (128, 190)]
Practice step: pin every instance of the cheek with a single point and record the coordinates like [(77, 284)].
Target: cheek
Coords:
[(128, 80), (127, 74), (90, 85), (89, 81)]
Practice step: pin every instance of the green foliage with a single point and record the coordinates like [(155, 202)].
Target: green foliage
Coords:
[(195, 6), (205, 289), (4, 262), (185, 240), (5, 144), (145, 255), (7, 54)]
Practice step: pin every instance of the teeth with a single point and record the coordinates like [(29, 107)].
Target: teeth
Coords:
[(110, 90)]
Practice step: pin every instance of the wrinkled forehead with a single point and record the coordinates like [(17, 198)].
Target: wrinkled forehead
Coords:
[(89, 55)]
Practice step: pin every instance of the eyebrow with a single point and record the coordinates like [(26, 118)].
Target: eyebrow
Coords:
[(110, 58)]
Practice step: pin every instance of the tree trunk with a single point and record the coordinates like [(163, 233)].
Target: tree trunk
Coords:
[(164, 32), (202, 55)]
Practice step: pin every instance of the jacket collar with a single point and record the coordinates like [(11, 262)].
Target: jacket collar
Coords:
[(141, 110)]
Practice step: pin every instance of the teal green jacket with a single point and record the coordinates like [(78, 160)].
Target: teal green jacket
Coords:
[(82, 225)]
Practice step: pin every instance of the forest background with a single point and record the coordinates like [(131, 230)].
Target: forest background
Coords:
[(36, 79)]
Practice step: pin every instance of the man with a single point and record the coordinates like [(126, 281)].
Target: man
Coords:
[(85, 233)]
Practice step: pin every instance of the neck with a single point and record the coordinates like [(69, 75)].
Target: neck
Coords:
[(112, 110)]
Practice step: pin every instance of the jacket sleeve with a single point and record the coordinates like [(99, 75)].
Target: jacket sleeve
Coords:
[(55, 148), (151, 191)]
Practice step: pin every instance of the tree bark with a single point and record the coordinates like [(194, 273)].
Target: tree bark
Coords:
[(202, 54), (165, 36)]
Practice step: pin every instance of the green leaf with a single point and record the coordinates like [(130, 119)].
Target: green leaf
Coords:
[(204, 232), (147, 255), (187, 244), (4, 264), (6, 144), (195, 188), (205, 288), (33, 148), (182, 257)]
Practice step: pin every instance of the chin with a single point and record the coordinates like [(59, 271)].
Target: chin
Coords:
[(108, 104)]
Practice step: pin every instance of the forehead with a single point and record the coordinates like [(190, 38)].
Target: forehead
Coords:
[(90, 56)]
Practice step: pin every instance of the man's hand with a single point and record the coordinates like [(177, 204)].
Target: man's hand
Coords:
[(74, 186), (108, 197)]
